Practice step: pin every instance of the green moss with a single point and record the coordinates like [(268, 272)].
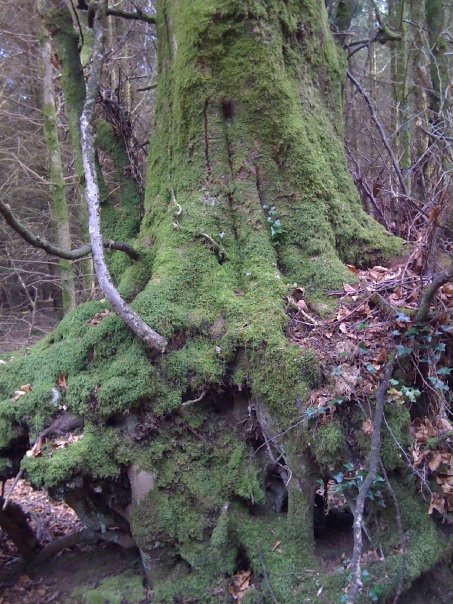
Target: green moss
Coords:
[(113, 590), (396, 437), (93, 454), (426, 545), (328, 444)]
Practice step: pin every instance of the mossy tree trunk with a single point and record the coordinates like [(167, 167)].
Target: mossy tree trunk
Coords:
[(119, 222), (60, 29), (202, 451), (248, 193), (399, 71), (59, 202)]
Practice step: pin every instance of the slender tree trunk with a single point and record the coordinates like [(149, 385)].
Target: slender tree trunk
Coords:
[(59, 202), (399, 69), (59, 25), (421, 85), (438, 64)]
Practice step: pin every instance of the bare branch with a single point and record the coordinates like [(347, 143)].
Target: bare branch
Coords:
[(429, 294), (137, 15), (377, 123), (356, 582), (53, 250), (153, 339)]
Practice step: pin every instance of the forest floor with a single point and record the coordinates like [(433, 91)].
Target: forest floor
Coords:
[(21, 329), (82, 574)]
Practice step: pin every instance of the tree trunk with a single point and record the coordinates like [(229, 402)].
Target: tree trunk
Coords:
[(205, 451), (399, 70), (58, 192), (59, 25), (421, 86), (248, 192)]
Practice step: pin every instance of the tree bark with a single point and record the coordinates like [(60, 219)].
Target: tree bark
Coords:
[(59, 26), (58, 192)]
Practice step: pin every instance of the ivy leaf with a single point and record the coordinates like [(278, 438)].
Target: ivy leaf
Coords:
[(444, 371), (439, 384), (403, 351), (339, 477), (403, 318)]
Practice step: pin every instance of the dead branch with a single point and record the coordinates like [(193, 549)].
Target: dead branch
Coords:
[(153, 339), (429, 294), (136, 15), (356, 582), (53, 250), (380, 128)]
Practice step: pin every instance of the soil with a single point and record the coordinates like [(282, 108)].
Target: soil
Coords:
[(83, 568)]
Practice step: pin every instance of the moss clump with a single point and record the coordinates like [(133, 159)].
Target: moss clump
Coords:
[(328, 445), (426, 545), (93, 454), (127, 587), (396, 436)]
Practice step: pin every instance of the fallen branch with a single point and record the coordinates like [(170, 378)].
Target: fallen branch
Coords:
[(356, 581), (153, 339), (53, 250), (86, 536)]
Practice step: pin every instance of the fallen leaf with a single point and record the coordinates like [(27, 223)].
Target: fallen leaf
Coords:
[(367, 427), (349, 289)]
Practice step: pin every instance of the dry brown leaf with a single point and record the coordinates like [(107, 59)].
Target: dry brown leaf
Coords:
[(302, 305), (241, 584), (349, 289), (342, 327), (367, 427), (98, 317), (437, 503), (62, 383), (447, 289)]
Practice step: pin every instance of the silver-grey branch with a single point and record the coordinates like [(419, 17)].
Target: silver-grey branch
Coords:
[(153, 339)]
